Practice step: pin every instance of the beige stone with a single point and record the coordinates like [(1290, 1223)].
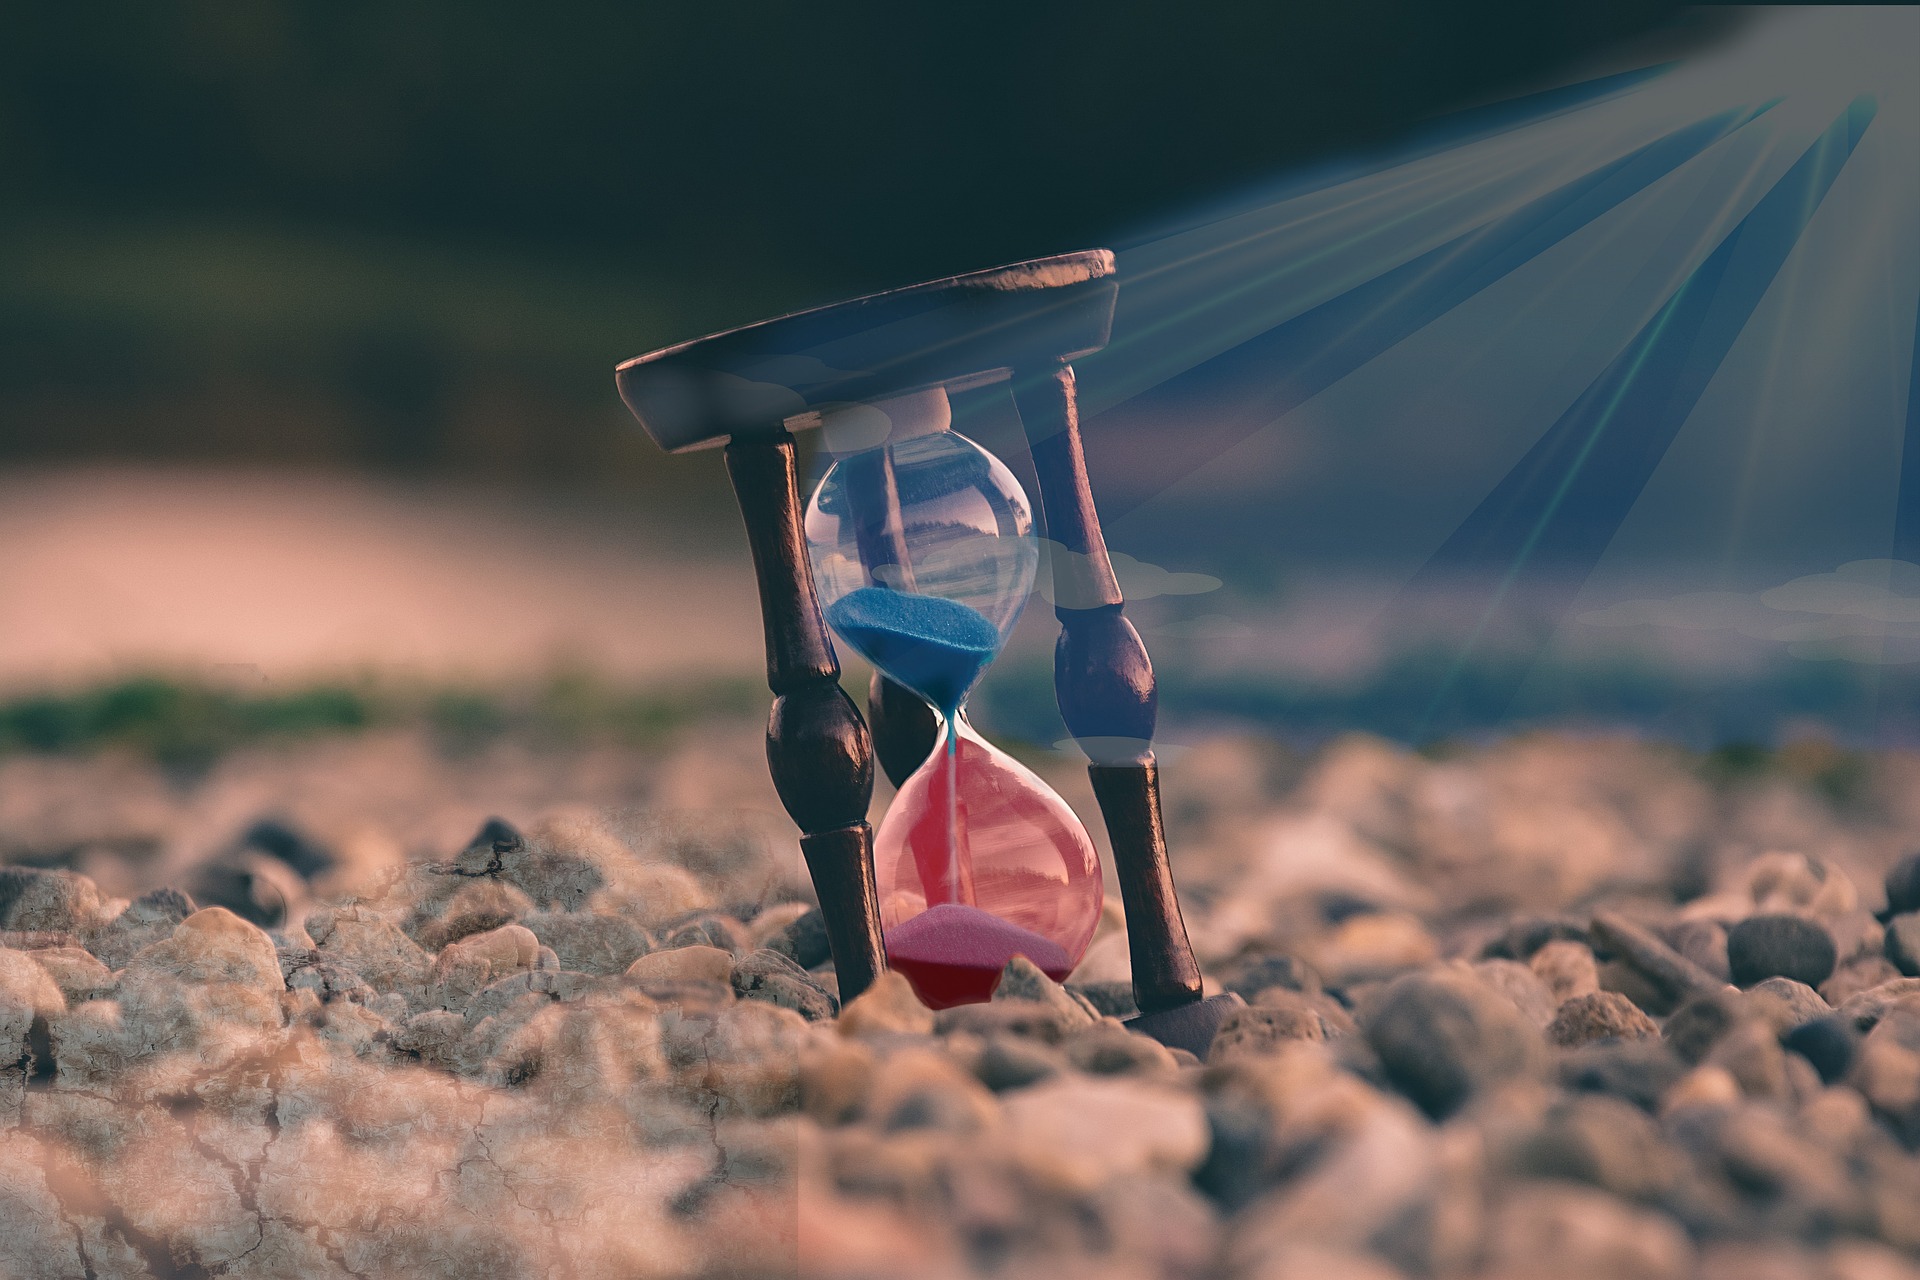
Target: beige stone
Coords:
[(1077, 1132), (213, 945), (1374, 945), (76, 972), (888, 1007), (683, 964), (1568, 969), (374, 947)]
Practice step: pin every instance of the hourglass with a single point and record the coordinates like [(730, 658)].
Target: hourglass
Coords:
[(924, 555), (923, 549)]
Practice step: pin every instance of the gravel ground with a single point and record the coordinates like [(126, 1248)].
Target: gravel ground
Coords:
[(1550, 1006)]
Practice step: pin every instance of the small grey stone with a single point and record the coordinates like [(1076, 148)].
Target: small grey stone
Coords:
[(1528, 934), (1023, 980), (280, 839), (706, 929), (259, 889), (1785, 1004), (768, 975), (1903, 885), (1903, 942), (1865, 1009), (1699, 1024), (1108, 1049), (558, 985), (1604, 1141), (1442, 1036), (1031, 1019), (328, 981), (37, 901), (1766, 946), (1280, 1018), (1829, 1043), (589, 942), (804, 940), (1254, 973), (1855, 976), (1703, 942), (1599, 1015), (1521, 985), (164, 905), (1636, 1071), (1014, 1062), (1671, 975), (1112, 999)]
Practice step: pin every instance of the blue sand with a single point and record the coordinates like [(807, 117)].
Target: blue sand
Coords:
[(936, 647)]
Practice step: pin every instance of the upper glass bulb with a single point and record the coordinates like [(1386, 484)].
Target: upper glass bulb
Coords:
[(923, 553)]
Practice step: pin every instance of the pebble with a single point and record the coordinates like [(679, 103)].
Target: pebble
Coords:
[(766, 974), (1601, 1015), (1859, 975), (1695, 1027), (1865, 1009), (1441, 1036), (917, 1088), (1567, 968), (1075, 1133), (374, 947), (1251, 1030), (33, 900), (1674, 977), (76, 972), (1785, 1004), (1022, 980), (1524, 937), (1903, 885), (180, 1071), (1373, 946), (1109, 999), (707, 929), (683, 964), (213, 945), (1558, 1229), (1257, 971), (1704, 942), (1014, 1062), (1830, 1043), (1903, 943), (1602, 1141), (888, 1007), (1522, 986), (1787, 946), (1787, 882), (1636, 1071), (1109, 1049), (803, 940), (589, 941)]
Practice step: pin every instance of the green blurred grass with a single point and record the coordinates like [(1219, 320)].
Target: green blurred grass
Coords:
[(186, 725)]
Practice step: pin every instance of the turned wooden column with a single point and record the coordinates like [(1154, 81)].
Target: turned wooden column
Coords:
[(818, 748), (1104, 682)]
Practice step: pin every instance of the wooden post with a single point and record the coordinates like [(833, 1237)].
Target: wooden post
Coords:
[(1105, 685), (818, 749)]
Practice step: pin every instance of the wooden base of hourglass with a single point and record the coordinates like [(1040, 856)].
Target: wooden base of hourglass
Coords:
[(818, 748)]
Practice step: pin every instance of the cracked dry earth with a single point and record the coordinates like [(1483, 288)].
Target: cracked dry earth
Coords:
[(1549, 1007)]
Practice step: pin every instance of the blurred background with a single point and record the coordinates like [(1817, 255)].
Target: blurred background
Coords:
[(308, 314)]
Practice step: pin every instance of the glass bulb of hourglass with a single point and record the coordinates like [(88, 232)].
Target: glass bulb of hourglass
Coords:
[(978, 861), (924, 555)]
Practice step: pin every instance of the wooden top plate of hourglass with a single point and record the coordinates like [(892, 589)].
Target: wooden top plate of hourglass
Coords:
[(961, 331)]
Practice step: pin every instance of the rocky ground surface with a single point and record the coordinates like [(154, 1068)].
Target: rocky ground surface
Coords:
[(1545, 1007)]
